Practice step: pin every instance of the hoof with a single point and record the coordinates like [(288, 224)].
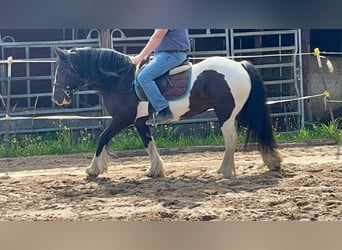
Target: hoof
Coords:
[(91, 173), (151, 175), (276, 169), (225, 175), (91, 178)]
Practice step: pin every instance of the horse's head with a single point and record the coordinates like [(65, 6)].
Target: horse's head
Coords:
[(67, 80)]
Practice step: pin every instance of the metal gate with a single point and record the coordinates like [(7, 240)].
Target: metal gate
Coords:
[(26, 75), (277, 54)]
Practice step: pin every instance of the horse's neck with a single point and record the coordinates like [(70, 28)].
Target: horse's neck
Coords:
[(125, 61), (109, 67)]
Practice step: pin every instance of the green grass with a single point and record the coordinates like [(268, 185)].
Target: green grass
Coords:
[(62, 142), (65, 141), (313, 131)]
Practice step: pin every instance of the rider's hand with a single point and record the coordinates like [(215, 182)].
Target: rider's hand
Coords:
[(137, 59)]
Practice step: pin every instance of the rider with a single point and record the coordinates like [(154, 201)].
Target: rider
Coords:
[(170, 48)]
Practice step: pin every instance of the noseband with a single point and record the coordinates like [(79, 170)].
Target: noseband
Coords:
[(69, 68), (66, 89)]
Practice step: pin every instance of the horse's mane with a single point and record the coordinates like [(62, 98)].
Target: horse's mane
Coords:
[(97, 64)]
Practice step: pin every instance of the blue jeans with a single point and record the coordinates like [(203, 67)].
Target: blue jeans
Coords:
[(161, 63)]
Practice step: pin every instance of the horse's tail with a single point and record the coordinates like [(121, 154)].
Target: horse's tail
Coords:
[(255, 116)]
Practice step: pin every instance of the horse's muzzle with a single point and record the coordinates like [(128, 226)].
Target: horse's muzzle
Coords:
[(61, 103)]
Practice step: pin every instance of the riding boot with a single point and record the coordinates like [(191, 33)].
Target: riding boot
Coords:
[(162, 117)]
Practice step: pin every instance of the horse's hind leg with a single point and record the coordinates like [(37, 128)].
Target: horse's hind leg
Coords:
[(227, 168), (272, 158)]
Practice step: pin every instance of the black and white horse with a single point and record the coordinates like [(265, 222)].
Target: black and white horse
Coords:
[(234, 90)]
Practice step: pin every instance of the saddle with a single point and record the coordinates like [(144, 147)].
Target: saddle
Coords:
[(173, 85)]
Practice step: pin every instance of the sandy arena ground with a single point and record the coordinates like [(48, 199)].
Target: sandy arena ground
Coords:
[(56, 188)]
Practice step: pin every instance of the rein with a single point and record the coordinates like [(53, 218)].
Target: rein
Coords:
[(128, 68)]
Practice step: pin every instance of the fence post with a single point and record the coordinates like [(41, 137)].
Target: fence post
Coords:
[(326, 100), (105, 40), (8, 104), (306, 74)]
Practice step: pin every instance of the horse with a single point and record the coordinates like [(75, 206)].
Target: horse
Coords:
[(234, 90)]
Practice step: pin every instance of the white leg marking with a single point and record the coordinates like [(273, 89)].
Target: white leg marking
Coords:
[(157, 169), (99, 164), (272, 159), (230, 141)]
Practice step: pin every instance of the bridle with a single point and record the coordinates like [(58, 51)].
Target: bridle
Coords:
[(69, 69)]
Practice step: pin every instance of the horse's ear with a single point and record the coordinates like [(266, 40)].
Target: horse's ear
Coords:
[(61, 53)]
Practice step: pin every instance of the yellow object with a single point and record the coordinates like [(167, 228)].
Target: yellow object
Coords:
[(326, 93), (316, 51)]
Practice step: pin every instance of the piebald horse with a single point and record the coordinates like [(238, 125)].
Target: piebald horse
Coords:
[(234, 90)]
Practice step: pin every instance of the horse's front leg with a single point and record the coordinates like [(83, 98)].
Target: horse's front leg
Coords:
[(99, 164), (157, 165)]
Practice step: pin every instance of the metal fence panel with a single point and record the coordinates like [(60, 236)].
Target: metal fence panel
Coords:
[(27, 92), (26, 83)]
